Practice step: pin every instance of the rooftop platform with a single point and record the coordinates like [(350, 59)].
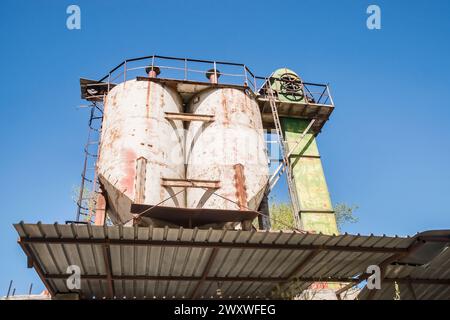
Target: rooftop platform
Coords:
[(320, 112)]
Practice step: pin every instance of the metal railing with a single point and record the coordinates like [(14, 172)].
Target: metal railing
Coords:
[(183, 69), (314, 93), (187, 69)]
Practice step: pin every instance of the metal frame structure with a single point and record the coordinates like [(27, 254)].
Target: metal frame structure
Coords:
[(317, 107), (114, 260)]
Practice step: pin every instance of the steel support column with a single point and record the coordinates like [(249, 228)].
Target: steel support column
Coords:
[(109, 276)]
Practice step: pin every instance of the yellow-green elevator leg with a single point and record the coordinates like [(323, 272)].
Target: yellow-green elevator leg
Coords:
[(316, 210)]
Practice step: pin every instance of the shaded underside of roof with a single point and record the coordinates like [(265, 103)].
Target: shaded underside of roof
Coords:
[(138, 262), (408, 287)]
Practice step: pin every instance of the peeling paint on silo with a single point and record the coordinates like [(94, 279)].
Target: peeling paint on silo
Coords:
[(234, 137), (134, 126)]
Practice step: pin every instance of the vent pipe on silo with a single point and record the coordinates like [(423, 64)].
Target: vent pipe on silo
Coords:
[(152, 71), (213, 75)]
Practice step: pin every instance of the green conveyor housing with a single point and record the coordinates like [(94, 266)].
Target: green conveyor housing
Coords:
[(316, 210)]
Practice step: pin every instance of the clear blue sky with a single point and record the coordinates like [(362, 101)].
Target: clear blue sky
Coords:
[(386, 147)]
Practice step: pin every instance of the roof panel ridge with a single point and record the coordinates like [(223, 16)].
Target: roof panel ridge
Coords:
[(180, 233), (166, 232)]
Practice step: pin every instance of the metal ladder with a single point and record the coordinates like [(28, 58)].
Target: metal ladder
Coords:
[(89, 186), (285, 154)]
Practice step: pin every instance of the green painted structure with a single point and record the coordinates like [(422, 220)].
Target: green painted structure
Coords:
[(316, 210)]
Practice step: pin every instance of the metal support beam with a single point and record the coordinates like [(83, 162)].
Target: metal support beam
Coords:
[(246, 279), (241, 193), (232, 245), (416, 245), (30, 262), (190, 183), (411, 288), (189, 244), (445, 239), (300, 267), (264, 222), (109, 276), (189, 117), (37, 267), (289, 177), (208, 266), (303, 264), (100, 209)]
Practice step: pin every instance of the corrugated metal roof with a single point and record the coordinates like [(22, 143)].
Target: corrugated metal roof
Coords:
[(149, 262), (408, 286)]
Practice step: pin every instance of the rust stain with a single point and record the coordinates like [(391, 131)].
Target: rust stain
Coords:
[(141, 172), (224, 103), (110, 136), (114, 134), (248, 109), (147, 104), (114, 99), (127, 180), (100, 210), (161, 100), (105, 109), (239, 183)]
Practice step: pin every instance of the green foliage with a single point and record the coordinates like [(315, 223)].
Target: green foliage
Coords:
[(88, 201), (345, 214), (283, 219)]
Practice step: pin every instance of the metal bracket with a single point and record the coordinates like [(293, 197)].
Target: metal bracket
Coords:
[(281, 168)]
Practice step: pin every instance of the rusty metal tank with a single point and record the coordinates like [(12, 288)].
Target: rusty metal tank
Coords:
[(215, 149), (139, 146)]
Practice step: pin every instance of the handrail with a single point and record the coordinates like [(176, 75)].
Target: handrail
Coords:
[(243, 75)]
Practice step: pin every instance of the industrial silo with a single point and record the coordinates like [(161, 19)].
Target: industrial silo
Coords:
[(139, 147), (221, 150)]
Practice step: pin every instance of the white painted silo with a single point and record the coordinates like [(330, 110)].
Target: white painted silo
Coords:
[(213, 149), (139, 146)]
